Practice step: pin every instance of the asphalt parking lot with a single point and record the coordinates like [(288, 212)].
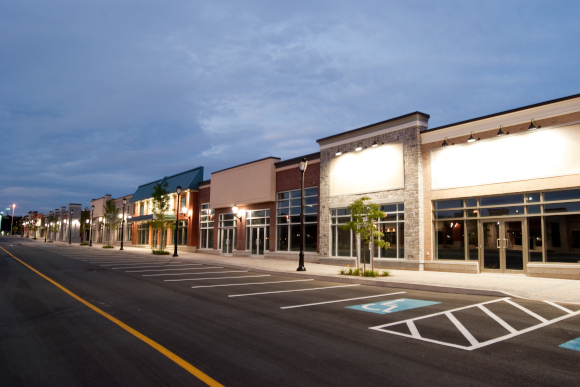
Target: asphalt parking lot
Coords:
[(243, 327)]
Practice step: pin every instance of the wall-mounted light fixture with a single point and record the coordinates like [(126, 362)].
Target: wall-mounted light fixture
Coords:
[(501, 132), (237, 212), (359, 147), (375, 143), (338, 152), (471, 138), (533, 125), (445, 142)]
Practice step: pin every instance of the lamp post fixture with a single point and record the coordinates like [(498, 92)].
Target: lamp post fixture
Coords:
[(123, 223), (45, 229), (12, 221), (70, 227), (178, 190), (91, 227), (302, 166)]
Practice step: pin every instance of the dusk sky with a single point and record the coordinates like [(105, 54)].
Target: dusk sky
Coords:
[(99, 97)]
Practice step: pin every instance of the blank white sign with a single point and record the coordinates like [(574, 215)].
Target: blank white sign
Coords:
[(531, 155), (369, 170)]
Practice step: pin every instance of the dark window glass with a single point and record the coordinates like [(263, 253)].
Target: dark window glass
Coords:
[(444, 204), (562, 238), (534, 209), (311, 209), (282, 238), (344, 243), (535, 239), (502, 211), (533, 197), (390, 232), (501, 200), (342, 211), (562, 195), (401, 207), (473, 240), (283, 195), (449, 240), (295, 237), (389, 208), (471, 202), (295, 194), (311, 191), (310, 237), (311, 200), (448, 214), (562, 207)]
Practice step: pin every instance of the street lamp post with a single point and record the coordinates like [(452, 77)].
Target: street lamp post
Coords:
[(302, 166), (91, 228), (178, 190), (12, 221), (70, 227), (45, 230), (123, 223)]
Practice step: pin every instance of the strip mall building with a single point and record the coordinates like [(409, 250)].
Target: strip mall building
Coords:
[(499, 194)]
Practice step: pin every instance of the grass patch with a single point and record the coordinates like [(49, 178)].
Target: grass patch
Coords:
[(84, 243), (367, 273), (160, 252), (48, 241), (108, 247)]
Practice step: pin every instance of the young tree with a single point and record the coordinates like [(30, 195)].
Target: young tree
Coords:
[(362, 224), (85, 215), (159, 207), (111, 218), (34, 228), (51, 219)]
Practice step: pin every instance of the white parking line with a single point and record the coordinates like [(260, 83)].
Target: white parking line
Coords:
[(125, 263), (474, 344), (251, 283), (288, 291), (190, 268), (175, 264), (217, 278), (205, 272), (346, 299)]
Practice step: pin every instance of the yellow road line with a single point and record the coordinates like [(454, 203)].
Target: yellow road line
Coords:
[(185, 365)]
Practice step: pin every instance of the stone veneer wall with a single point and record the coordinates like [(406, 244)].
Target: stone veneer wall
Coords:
[(411, 194)]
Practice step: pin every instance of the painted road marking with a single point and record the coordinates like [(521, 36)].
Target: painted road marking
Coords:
[(392, 306), (153, 344), (191, 268), (205, 272), (474, 344), (344, 300), (176, 264), (572, 344), (125, 263), (217, 278), (251, 283), (289, 291)]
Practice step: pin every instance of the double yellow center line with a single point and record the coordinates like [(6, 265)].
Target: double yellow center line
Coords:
[(164, 351)]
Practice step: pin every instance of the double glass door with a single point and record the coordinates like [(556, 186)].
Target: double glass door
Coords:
[(503, 246), (259, 239), (228, 238)]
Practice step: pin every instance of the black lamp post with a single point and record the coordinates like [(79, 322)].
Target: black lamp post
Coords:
[(70, 227), (302, 166), (45, 229), (123, 223), (91, 228), (178, 190)]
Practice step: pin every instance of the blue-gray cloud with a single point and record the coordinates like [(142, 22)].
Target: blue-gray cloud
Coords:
[(101, 96)]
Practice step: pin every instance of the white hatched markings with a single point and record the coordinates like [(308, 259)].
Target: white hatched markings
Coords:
[(288, 291), (334, 301), (205, 272), (474, 343)]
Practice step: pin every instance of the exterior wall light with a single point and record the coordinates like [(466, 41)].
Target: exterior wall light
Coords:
[(375, 143), (471, 138), (501, 132), (533, 125), (445, 142), (338, 153), (178, 192), (359, 147)]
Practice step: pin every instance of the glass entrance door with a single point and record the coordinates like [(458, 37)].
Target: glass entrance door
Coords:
[(227, 240), (503, 246), (259, 240)]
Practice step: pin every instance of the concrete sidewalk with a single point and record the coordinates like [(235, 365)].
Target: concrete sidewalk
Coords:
[(546, 289)]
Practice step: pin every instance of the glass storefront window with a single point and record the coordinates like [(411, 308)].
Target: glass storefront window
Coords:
[(449, 240), (445, 204), (207, 227), (288, 220), (343, 242), (562, 238), (535, 239), (571, 194), (501, 200)]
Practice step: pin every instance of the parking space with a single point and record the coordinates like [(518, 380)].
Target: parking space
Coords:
[(465, 322)]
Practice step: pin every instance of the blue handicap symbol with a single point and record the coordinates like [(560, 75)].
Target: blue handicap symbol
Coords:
[(392, 306), (572, 344)]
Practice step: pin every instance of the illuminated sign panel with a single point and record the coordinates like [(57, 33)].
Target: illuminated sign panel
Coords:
[(370, 170), (516, 157)]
